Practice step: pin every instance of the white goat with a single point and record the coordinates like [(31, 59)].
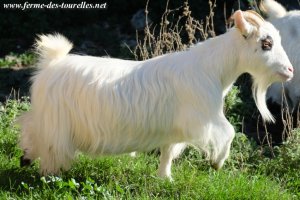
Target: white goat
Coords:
[(109, 106), (288, 25)]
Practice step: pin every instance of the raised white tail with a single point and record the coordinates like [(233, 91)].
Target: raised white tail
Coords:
[(51, 47)]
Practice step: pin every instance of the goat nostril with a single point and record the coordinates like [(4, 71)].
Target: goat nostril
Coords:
[(291, 69)]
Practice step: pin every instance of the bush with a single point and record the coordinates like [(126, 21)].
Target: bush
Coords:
[(285, 166), (8, 113)]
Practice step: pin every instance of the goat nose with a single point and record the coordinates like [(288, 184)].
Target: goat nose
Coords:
[(291, 69)]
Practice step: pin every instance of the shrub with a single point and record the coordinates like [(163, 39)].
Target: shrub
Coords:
[(285, 166)]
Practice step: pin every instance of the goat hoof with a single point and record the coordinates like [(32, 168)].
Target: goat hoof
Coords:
[(24, 161), (216, 166)]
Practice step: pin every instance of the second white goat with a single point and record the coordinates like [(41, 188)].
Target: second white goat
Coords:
[(288, 25)]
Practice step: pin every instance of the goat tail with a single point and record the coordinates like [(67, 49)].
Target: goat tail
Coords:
[(272, 8), (52, 47)]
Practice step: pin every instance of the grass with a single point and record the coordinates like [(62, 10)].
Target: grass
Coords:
[(124, 177)]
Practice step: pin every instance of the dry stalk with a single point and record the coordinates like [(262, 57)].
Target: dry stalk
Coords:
[(167, 36), (287, 119)]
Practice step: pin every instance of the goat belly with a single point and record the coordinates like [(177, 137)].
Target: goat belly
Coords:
[(113, 142)]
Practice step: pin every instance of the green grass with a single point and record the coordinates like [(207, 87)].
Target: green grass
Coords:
[(246, 175), (18, 60)]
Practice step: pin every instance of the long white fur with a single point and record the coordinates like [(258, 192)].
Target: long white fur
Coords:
[(104, 106), (288, 25)]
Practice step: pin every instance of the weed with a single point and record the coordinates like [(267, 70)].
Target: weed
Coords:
[(168, 35)]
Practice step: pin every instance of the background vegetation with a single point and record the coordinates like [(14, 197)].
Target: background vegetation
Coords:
[(252, 172)]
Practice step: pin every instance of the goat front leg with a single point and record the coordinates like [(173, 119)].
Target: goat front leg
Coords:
[(167, 154), (221, 139)]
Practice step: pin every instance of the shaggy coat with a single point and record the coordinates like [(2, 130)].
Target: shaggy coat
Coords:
[(106, 106)]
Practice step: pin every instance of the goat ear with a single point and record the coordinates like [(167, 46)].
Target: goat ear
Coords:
[(241, 23)]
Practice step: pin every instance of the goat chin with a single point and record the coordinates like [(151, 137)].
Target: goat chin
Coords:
[(106, 106)]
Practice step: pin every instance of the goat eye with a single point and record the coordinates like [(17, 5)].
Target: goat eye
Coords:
[(267, 43)]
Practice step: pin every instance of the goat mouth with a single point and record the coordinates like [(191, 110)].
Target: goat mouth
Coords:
[(284, 76)]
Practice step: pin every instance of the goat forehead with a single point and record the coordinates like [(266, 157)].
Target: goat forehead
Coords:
[(269, 30)]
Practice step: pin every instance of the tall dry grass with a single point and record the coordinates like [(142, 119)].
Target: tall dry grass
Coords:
[(175, 24)]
